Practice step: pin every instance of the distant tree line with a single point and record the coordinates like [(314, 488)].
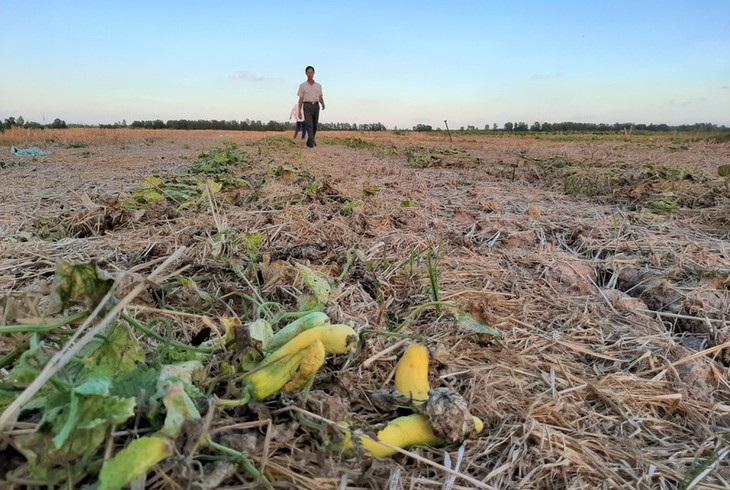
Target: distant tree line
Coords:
[(584, 127), (192, 124), (606, 128), (250, 125), (19, 122)]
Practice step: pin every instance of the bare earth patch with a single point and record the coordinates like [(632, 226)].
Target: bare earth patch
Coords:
[(604, 264)]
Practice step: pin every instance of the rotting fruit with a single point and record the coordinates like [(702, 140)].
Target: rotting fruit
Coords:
[(411, 374), (402, 432)]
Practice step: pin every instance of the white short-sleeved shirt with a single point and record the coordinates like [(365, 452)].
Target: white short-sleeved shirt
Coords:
[(310, 93)]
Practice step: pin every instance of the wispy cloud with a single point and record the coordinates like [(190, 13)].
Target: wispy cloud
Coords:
[(247, 76)]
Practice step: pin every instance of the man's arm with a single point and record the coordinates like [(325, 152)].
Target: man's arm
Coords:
[(301, 103), (321, 101)]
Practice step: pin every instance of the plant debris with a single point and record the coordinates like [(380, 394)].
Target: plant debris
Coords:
[(589, 335)]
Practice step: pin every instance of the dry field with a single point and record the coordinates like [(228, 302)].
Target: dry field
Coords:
[(603, 262)]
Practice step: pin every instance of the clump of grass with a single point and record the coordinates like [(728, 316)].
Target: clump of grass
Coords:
[(276, 141), (355, 143), (420, 158), (662, 206), (77, 144)]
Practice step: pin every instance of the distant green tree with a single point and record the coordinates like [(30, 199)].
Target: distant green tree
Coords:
[(58, 124), (508, 126)]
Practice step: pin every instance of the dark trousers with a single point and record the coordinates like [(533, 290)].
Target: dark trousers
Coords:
[(311, 118), (300, 127)]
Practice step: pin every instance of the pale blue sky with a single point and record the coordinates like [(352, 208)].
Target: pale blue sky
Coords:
[(399, 63)]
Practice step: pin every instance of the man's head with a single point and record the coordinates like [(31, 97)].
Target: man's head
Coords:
[(310, 72)]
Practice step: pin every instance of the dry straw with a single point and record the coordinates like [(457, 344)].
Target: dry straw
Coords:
[(613, 368)]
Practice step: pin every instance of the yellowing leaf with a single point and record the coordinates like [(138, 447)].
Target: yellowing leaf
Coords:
[(260, 332), (133, 461), (80, 283), (152, 182)]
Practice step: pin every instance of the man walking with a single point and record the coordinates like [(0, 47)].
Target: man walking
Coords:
[(310, 96)]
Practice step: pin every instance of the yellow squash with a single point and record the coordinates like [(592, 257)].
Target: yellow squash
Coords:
[(336, 338), (308, 367), (293, 364), (402, 432), (411, 374), (289, 332), (264, 381)]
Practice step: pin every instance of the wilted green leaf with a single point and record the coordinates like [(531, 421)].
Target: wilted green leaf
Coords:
[(80, 283), (318, 284), (353, 206), (308, 302), (467, 322), (191, 287), (260, 332), (118, 351), (148, 195), (187, 372), (71, 431), (723, 170), (94, 386), (134, 461), (252, 242), (369, 189), (313, 188), (27, 367), (173, 381), (152, 182), (94, 412)]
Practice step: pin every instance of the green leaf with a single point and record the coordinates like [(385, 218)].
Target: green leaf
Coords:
[(28, 367), (118, 351), (70, 419), (134, 461), (180, 408), (317, 283), (466, 321), (352, 206), (723, 170), (94, 386), (172, 384), (80, 283), (148, 195), (152, 182), (72, 429)]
